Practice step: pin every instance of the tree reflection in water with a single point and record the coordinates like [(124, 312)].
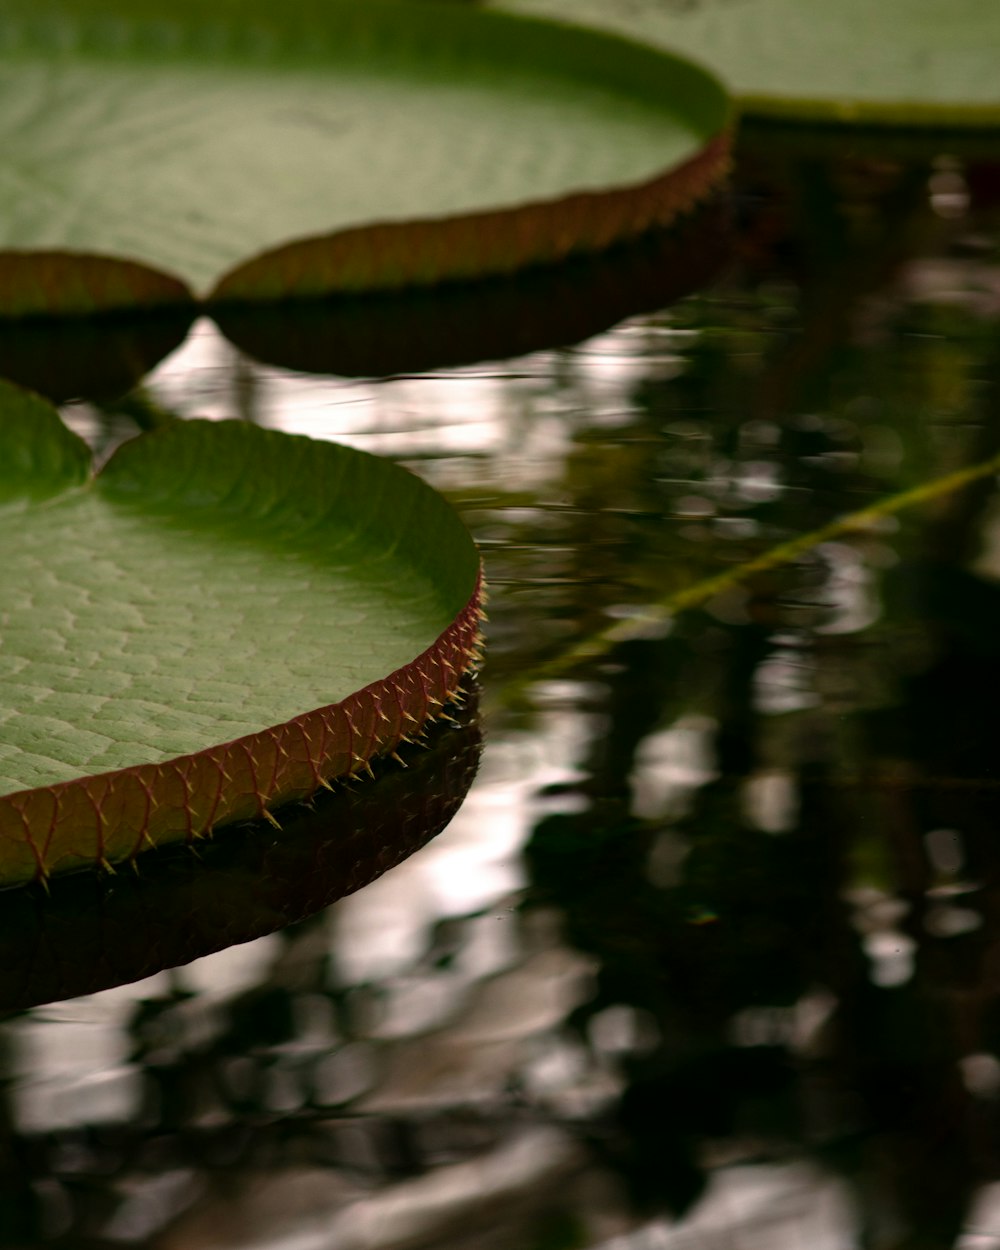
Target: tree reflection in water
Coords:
[(709, 958)]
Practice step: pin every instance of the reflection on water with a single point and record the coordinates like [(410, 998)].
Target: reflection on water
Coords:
[(709, 959)]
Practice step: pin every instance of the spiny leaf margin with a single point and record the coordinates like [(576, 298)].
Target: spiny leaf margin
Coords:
[(242, 884)]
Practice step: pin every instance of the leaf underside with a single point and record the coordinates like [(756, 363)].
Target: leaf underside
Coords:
[(169, 622), (897, 63), (309, 147)]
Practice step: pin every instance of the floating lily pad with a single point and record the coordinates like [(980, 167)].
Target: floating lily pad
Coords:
[(250, 150), (897, 62), (87, 931), (221, 619)]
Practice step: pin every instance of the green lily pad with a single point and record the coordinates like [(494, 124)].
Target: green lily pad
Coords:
[(897, 62), (221, 619), (154, 148)]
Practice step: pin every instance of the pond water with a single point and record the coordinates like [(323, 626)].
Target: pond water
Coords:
[(710, 956)]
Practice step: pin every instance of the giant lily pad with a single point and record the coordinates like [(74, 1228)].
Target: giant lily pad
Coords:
[(221, 619), (154, 148), (897, 62)]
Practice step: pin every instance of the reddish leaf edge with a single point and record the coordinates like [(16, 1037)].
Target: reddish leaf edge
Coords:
[(382, 256), (60, 282), (396, 255), (111, 818)]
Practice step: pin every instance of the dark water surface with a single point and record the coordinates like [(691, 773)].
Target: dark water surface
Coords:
[(710, 957)]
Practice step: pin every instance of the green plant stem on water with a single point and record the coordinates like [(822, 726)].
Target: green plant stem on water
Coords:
[(655, 616)]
